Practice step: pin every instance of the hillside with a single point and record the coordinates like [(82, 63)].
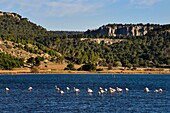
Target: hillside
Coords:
[(27, 52), (25, 39), (19, 50), (14, 24)]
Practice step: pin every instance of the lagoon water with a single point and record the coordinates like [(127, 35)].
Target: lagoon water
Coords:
[(45, 99)]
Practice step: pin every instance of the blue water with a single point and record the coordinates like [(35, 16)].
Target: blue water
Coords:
[(45, 98)]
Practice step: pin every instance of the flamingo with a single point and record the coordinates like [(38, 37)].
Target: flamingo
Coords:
[(67, 88), (62, 92), (76, 90), (112, 91), (147, 90), (118, 89), (57, 88), (127, 90), (160, 90), (30, 89), (6, 89), (100, 88), (156, 91), (105, 90), (90, 91), (101, 91)]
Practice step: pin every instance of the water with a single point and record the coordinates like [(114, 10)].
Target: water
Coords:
[(45, 99)]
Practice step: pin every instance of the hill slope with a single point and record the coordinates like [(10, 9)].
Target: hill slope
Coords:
[(150, 49)]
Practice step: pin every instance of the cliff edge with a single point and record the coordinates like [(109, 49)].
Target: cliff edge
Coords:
[(123, 29)]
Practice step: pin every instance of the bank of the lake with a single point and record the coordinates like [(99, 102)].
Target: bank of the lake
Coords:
[(116, 71)]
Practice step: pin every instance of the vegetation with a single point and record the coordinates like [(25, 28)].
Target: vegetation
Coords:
[(137, 51), (88, 67), (152, 50), (70, 67), (8, 62), (35, 61), (99, 69), (36, 49)]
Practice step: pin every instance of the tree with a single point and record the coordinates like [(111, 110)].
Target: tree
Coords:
[(126, 63), (35, 61), (8, 62), (88, 67), (70, 67), (31, 60)]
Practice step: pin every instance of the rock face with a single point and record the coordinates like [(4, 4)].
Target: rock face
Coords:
[(120, 29)]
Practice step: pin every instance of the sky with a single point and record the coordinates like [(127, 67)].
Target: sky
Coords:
[(80, 15)]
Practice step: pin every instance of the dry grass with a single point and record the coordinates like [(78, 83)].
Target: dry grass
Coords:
[(51, 67)]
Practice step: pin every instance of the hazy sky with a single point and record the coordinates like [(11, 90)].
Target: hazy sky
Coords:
[(88, 14)]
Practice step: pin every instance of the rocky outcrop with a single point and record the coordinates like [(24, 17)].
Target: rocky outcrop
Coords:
[(120, 29), (14, 15)]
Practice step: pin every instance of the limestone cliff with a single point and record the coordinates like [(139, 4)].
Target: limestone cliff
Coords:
[(120, 29)]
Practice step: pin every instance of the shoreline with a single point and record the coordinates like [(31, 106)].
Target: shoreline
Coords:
[(24, 72)]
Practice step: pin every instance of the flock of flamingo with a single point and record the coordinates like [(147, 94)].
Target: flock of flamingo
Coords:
[(90, 91), (101, 90)]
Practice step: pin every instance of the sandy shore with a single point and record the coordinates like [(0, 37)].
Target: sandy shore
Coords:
[(28, 71)]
